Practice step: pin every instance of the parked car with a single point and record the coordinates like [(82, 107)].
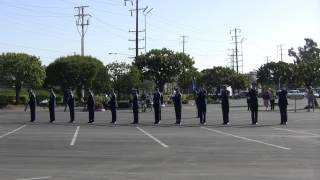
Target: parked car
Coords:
[(295, 94), (316, 94)]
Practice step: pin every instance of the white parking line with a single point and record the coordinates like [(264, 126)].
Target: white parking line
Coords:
[(152, 137), (297, 132), (247, 139), (11, 132), (36, 178), (73, 141)]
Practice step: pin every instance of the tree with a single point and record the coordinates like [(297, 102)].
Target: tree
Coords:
[(238, 81), (308, 73), (124, 77), (275, 74), (101, 82), (309, 52), (163, 66), (186, 78), (307, 61), (215, 77), (77, 72), (21, 70)]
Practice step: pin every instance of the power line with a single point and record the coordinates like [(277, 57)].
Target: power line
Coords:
[(83, 22)]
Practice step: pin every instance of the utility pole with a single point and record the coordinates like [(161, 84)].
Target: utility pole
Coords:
[(82, 21), (267, 58), (242, 40), (184, 37), (145, 13), (235, 35), (136, 10), (232, 66), (280, 49)]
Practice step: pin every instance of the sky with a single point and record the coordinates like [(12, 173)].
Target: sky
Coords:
[(47, 28)]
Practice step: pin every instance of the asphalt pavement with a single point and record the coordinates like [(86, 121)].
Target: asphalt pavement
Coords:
[(81, 151)]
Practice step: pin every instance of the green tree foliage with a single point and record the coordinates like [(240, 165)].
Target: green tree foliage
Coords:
[(271, 74), (309, 52), (217, 76), (185, 79), (308, 73), (77, 72), (163, 66), (101, 82), (308, 63), (239, 81), (124, 77), (21, 70)]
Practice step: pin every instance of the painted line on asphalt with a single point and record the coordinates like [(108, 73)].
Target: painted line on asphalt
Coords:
[(152, 137), (247, 139), (36, 178), (13, 131), (74, 138), (297, 132)]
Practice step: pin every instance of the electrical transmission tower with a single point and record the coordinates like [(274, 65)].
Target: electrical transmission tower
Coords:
[(82, 20), (232, 55), (280, 51), (146, 11), (268, 59), (136, 10), (237, 63), (184, 38)]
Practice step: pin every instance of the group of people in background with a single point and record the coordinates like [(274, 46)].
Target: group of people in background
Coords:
[(267, 96), (158, 101)]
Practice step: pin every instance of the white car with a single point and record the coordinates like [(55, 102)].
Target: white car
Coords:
[(316, 95), (295, 94)]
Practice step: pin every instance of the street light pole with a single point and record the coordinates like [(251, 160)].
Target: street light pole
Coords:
[(145, 13)]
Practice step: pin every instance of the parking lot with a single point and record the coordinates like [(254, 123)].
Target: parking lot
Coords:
[(239, 151)]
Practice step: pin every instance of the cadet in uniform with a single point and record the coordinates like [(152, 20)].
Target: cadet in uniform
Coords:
[(253, 102), (113, 106), (177, 105), (32, 105), (91, 106), (225, 104), (71, 103), (283, 103), (135, 107), (52, 105), (202, 106), (157, 106), (196, 94)]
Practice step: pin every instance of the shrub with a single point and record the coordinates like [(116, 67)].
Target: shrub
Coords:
[(3, 101), (99, 105), (123, 104), (189, 97), (59, 99), (185, 101), (210, 100), (23, 99), (100, 102), (11, 99)]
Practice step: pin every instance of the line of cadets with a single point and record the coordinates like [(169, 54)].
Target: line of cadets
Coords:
[(200, 100)]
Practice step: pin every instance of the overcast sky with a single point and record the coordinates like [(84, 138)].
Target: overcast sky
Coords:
[(46, 28)]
